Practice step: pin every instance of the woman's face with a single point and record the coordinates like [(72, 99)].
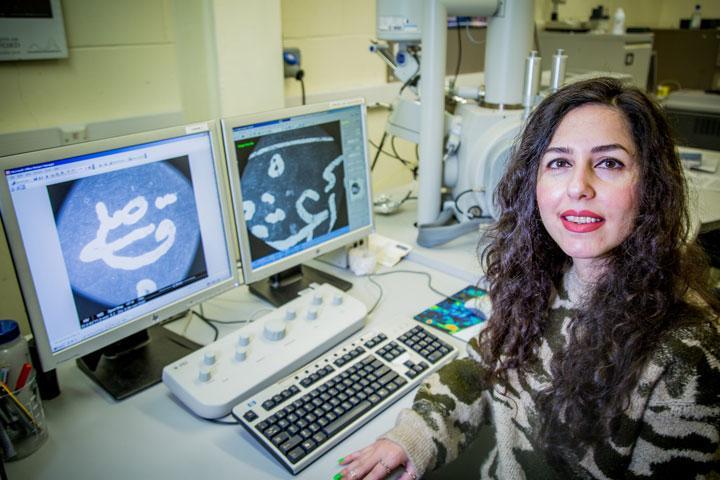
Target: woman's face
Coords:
[(586, 183)]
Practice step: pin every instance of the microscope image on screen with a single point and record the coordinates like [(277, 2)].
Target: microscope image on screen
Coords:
[(128, 236), (293, 187)]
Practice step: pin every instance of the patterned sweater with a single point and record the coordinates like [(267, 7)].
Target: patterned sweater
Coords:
[(671, 428)]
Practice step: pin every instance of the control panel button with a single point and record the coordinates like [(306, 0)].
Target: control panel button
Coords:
[(240, 354), (274, 330), (244, 340), (204, 373), (312, 314), (209, 358), (317, 299), (290, 314), (337, 299)]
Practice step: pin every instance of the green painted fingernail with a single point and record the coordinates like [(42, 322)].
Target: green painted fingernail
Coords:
[(341, 460), (337, 476)]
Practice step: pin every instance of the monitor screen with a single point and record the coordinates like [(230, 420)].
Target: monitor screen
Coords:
[(300, 182), (111, 237)]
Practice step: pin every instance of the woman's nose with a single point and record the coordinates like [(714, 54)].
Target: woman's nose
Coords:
[(581, 184)]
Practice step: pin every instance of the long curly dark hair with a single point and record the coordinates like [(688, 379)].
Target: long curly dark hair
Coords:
[(642, 294)]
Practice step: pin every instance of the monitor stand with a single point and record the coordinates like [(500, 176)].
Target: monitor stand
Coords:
[(285, 286), (135, 363)]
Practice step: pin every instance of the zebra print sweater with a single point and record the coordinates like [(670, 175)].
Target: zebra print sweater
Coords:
[(671, 429)]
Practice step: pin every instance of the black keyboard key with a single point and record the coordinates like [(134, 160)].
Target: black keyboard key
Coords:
[(388, 377), (347, 418), (262, 425), (291, 443), (293, 429), (280, 438), (250, 416), (435, 356), (411, 374), (309, 445), (268, 405), (319, 437), (271, 431), (295, 454)]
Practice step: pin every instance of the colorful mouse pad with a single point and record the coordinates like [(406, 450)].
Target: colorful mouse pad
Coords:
[(468, 307)]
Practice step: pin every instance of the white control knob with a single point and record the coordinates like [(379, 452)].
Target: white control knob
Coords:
[(312, 314), (209, 358), (317, 299), (274, 330), (204, 373), (337, 299), (244, 340), (290, 314), (240, 354)]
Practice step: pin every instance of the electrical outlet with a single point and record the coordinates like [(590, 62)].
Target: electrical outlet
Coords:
[(73, 134)]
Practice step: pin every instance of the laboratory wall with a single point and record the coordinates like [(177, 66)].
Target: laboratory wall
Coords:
[(121, 64)]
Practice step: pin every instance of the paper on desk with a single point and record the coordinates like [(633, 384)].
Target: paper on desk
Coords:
[(388, 252)]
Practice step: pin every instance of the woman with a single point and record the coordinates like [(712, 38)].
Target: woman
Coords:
[(600, 359)]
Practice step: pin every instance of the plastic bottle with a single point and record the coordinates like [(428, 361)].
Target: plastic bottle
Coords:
[(695, 19), (618, 27), (14, 352)]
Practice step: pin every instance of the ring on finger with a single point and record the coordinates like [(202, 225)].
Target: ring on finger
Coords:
[(384, 465), (411, 474), (353, 473)]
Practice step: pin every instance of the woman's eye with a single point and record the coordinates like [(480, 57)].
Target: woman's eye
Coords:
[(610, 163), (558, 163)]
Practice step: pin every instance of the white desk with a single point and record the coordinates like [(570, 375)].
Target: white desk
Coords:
[(151, 435)]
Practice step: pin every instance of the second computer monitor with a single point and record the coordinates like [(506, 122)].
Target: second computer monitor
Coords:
[(301, 188)]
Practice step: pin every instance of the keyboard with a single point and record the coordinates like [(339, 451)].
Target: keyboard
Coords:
[(214, 378), (313, 409)]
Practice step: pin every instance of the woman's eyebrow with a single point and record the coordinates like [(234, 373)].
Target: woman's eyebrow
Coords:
[(565, 150), (599, 148), (609, 147)]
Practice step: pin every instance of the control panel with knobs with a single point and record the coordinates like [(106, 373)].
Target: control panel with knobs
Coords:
[(213, 379)]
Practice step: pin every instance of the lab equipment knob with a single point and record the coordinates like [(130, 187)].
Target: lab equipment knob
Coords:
[(317, 299), (240, 354), (337, 299), (274, 330), (312, 314), (244, 340), (209, 358), (204, 373), (290, 314)]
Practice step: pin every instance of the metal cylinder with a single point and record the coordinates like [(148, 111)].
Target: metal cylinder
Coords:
[(557, 74), (509, 39), (531, 84)]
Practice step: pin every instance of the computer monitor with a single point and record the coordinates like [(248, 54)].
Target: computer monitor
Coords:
[(112, 237), (300, 183)]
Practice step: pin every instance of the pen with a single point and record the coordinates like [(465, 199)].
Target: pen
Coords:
[(22, 378), (17, 402)]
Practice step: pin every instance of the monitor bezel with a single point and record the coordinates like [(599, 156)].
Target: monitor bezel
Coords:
[(228, 125), (50, 359)]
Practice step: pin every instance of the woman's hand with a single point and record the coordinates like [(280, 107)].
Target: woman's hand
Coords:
[(377, 461)]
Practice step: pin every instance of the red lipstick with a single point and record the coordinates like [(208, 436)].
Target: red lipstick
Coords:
[(581, 227)]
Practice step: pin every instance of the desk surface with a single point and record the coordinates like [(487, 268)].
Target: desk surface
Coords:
[(151, 435)]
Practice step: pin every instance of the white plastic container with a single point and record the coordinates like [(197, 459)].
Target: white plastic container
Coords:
[(618, 27), (14, 352)]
